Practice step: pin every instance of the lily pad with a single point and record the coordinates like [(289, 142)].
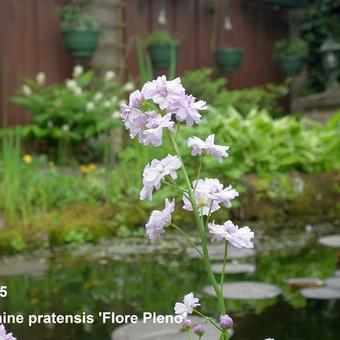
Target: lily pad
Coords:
[(20, 266), (237, 253), (304, 282), (332, 241), (246, 290), (333, 282), (234, 268), (321, 293), (216, 252), (157, 331)]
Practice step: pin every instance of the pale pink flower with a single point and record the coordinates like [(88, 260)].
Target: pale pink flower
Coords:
[(198, 146), (162, 91), (135, 101), (188, 305), (156, 171), (153, 133), (238, 237), (4, 335), (135, 120), (209, 194), (186, 109), (159, 219), (147, 125)]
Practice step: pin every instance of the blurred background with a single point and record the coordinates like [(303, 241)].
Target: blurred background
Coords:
[(72, 225)]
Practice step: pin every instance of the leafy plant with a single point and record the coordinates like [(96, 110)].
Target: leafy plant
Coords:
[(287, 48), (74, 17), (263, 145), (161, 38), (66, 117), (213, 90), (11, 173), (201, 84)]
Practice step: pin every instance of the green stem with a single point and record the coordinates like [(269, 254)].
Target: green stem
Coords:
[(224, 264), (203, 236), (188, 334), (199, 170), (208, 319), (208, 217), (175, 187), (187, 237)]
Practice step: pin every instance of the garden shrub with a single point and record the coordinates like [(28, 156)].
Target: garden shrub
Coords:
[(259, 144), (66, 117), (202, 85)]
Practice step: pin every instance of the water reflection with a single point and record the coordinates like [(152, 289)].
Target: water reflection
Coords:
[(91, 280)]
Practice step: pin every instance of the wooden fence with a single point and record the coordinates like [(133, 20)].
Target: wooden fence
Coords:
[(30, 40), (199, 26)]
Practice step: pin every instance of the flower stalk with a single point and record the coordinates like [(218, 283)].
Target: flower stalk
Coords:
[(203, 237), (160, 106)]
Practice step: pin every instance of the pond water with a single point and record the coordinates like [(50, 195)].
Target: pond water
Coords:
[(129, 276)]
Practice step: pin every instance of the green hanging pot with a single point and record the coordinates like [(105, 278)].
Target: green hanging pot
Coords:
[(160, 54), (229, 59), (291, 65), (81, 42), (287, 3)]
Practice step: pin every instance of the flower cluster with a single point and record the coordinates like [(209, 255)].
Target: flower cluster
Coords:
[(187, 306), (156, 171), (190, 302), (159, 219), (209, 195), (238, 237), (158, 106), (208, 146)]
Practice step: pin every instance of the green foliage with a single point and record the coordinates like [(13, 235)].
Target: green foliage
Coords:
[(75, 17), (263, 145), (286, 48), (321, 20), (258, 144), (10, 184), (144, 64), (161, 38), (201, 84), (66, 117)]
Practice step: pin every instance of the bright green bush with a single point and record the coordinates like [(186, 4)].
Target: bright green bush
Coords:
[(65, 117), (259, 144), (262, 144)]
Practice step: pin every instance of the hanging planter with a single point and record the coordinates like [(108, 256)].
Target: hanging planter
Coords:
[(290, 56), (162, 47), (287, 3), (81, 42), (80, 31), (229, 59), (291, 65)]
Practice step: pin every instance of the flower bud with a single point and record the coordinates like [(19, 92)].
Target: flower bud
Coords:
[(199, 330), (226, 321), (186, 324)]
